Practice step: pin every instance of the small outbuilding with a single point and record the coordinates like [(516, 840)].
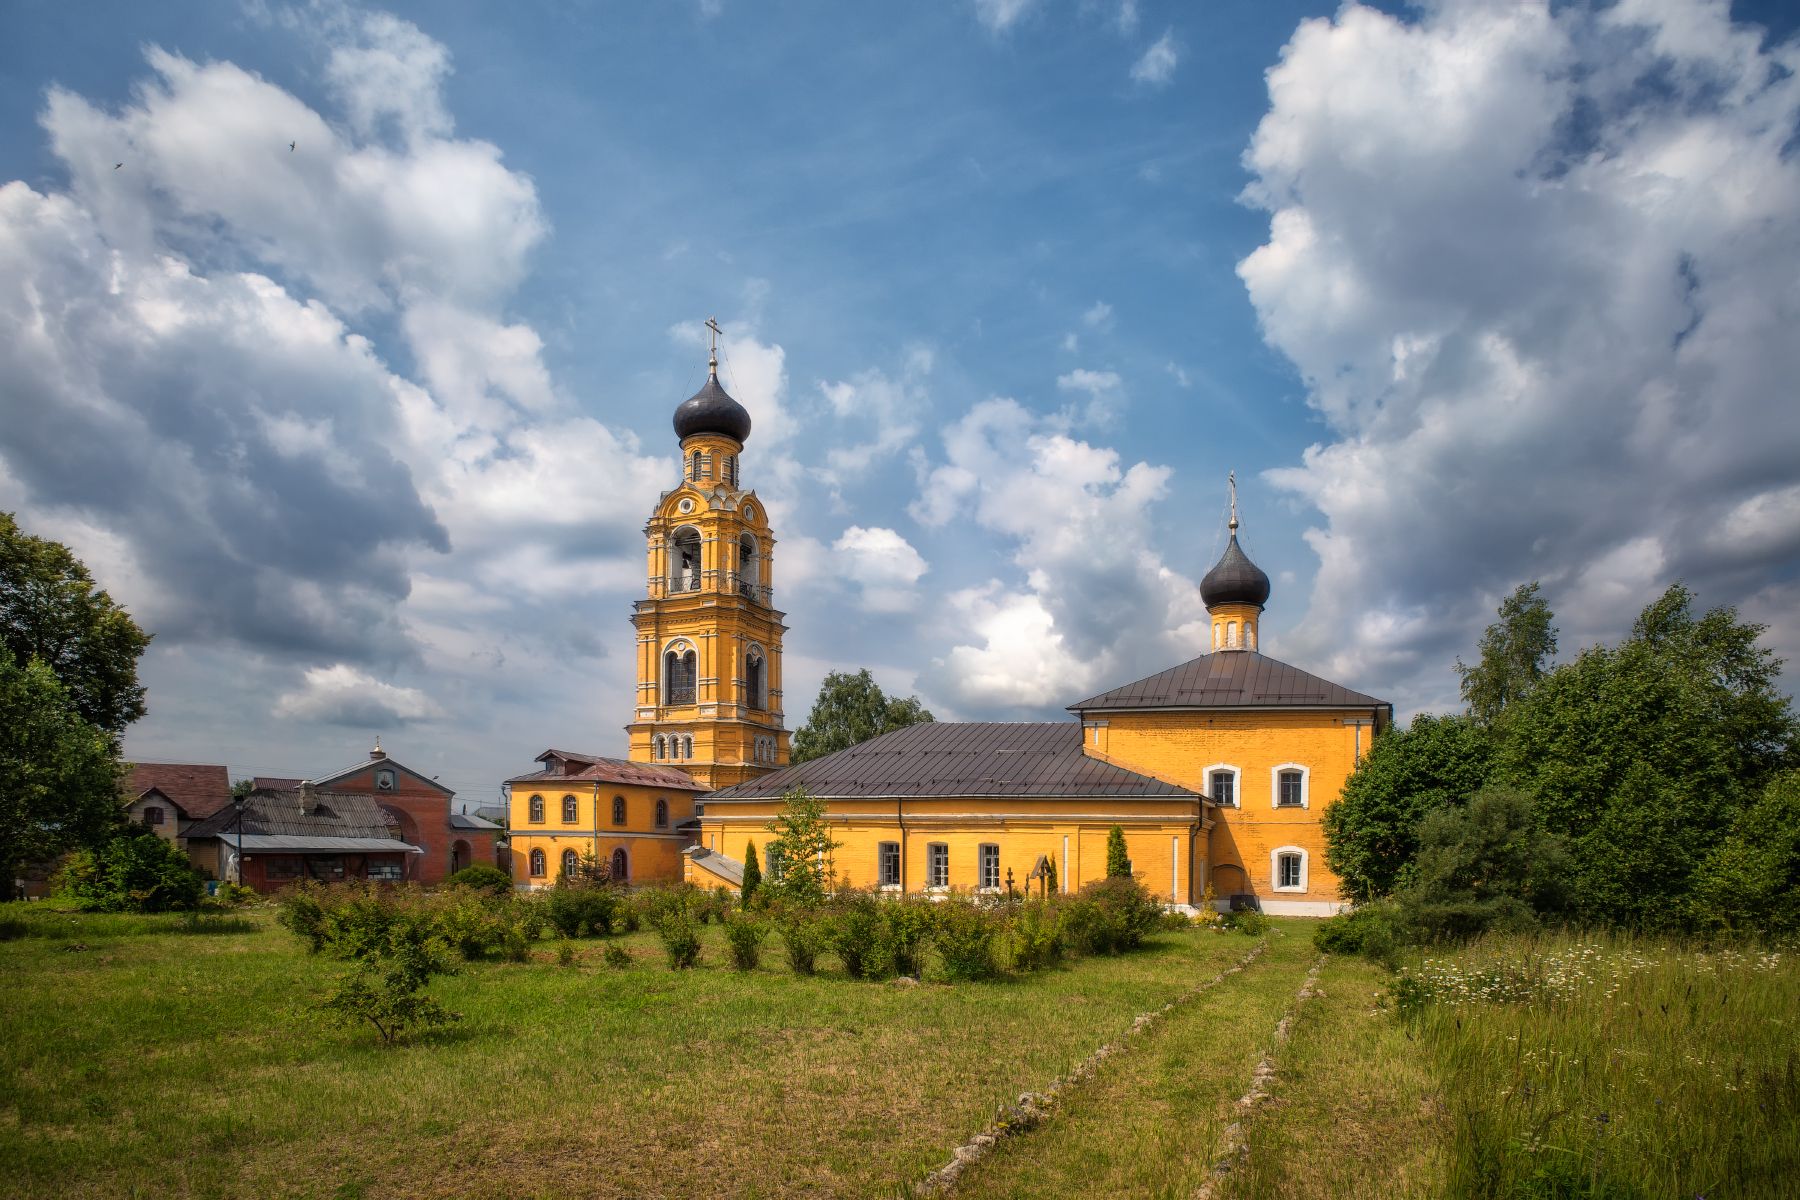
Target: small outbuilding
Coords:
[(276, 837)]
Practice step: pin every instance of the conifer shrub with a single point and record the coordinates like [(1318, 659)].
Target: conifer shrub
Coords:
[(752, 876), (482, 878), (745, 935), (1118, 865), (964, 934)]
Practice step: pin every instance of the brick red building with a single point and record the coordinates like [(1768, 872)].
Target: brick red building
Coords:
[(418, 811)]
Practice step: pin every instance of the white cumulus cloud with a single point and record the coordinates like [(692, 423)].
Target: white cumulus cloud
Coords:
[(1156, 66), (344, 695)]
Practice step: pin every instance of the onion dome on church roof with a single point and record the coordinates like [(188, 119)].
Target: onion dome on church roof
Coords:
[(712, 410), (1234, 579)]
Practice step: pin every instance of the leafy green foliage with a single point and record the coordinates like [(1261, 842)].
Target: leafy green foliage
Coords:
[(745, 934), (1118, 864), (50, 611), (800, 853), (1515, 652), (1251, 922), (483, 878), (1375, 930), (386, 986), (906, 925), (852, 709), (752, 876), (578, 910), (1036, 934), (803, 938), (680, 935), (964, 936), (1372, 831), (854, 932), (1751, 882), (59, 778), (1641, 756), (133, 871), (1485, 867), (1111, 915)]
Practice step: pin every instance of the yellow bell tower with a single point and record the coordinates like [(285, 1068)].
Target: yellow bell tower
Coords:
[(708, 633)]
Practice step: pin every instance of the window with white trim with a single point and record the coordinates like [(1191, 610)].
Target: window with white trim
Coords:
[(1222, 785), (1287, 869), (537, 863), (989, 860), (536, 805), (889, 858), (937, 865), (571, 862), (571, 810), (1288, 785)]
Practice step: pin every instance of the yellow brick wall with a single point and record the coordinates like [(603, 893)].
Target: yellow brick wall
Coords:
[(1182, 747), (654, 854)]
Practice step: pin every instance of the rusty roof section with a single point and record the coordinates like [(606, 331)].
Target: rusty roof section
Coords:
[(275, 783), (611, 770), (201, 789), (961, 759), (1230, 679), (334, 814)]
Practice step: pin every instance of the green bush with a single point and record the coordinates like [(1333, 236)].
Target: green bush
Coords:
[(581, 910), (752, 876), (745, 934), (964, 936), (617, 955), (386, 987), (1252, 922), (565, 952), (1111, 915), (803, 937), (301, 911), (1376, 930), (1118, 866), (906, 925), (680, 935), (133, 871), (1036, 935), (658, 901), (1486, 867), (1751, 883), (483, 878), (854, 929)]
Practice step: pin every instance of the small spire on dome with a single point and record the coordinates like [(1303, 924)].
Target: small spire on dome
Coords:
[(712, 350), (1231, 482)]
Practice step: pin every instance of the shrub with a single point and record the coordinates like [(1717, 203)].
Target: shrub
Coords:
[(906, 926), (1751, 883), (483, 878), (565, 952), (752, 875), (964, 936), (1375, 930), (745, 935), (134, 871), (1111, 915), (657, 902), (854, 931), (800, 862), (301, 911), (680, 935), (617, 956), (1252, 922), (232, 895), (802, 936), (581, 910), (1037, 935), (1485, 867), (479, 924), (386, 987)]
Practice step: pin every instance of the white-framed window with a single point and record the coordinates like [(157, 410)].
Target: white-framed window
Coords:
[(1288, 786), (1287, 868), (937, 865), (889, 859), (989, 859), (1222, 780), (537, 863), (571, 861), (772, 865), (536, 815), (571, 810)]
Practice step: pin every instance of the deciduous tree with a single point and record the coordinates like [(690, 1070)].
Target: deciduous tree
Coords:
[(1515, 652), (59, 777), (852, 709), (800, 854)]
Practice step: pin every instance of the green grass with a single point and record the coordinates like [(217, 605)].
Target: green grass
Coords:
[(157, 1063), (1149, 1122)]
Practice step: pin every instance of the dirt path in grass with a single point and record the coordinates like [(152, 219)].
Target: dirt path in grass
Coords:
[(1151, 1121)]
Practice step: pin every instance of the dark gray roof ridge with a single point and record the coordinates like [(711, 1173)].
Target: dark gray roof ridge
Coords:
[(1230, 679)]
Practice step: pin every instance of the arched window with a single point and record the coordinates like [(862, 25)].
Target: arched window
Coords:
[(755, 678), (694, 466), (731, 475), (571, 863), (656, 747), (662, 813), (1287, 869), (1222, 784), (537, 863), (1218, 636), (618, 810), (570, 811), (537, 812), (684, 560), (620, 869), (1288, 783), (749, 568), (687, 745), (680, 674)]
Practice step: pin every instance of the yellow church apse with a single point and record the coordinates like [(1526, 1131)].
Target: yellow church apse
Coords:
[(709, 697)]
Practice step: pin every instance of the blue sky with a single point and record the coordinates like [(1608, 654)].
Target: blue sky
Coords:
[(1466, 294)]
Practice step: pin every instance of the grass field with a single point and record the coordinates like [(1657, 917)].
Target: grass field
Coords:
[(156, 1060)]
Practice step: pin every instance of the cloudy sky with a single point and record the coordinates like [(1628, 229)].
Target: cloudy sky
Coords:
[(341, 342)]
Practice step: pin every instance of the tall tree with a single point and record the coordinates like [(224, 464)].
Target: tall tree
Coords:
[(1642, 755), (1515, 652), (852, 709), (800, 860), (51, 611), (1372, 832), (59, 777)]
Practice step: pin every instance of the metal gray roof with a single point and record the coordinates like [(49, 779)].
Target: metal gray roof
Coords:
[(467, 821), (334, 814), (960, 759), (719, 864), (294, 844), (1230, 679)]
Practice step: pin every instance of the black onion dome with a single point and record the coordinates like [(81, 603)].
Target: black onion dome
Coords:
[(712, 410), (1234, 580)]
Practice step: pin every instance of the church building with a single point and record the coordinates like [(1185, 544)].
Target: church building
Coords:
[(1218, 771)]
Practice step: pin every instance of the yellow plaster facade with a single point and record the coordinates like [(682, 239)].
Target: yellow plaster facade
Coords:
[(552, 818)]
